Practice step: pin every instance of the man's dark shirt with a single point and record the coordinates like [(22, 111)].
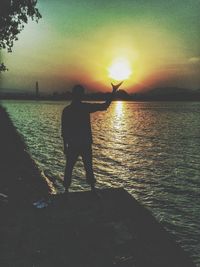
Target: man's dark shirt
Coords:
[(76, 126)]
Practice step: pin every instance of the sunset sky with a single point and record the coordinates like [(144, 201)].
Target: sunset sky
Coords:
[(77, 42)]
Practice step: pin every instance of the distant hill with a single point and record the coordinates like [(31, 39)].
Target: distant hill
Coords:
[(168, 91), (168, 94)]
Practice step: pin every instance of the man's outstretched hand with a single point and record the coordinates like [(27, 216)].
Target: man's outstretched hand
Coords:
[(116, 86)]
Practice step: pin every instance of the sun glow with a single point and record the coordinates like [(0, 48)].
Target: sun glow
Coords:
[(120, 69)]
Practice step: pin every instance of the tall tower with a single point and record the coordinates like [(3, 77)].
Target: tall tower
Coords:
[(37, 89)]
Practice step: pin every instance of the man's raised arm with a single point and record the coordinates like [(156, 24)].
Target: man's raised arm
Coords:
[(106, 104)]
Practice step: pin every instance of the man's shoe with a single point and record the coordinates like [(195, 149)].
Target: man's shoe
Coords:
[(94, 192)]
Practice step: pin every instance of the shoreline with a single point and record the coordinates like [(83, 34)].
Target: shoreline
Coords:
[(100, 100), (21, 179)]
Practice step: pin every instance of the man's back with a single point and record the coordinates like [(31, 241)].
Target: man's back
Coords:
[(76, 126)]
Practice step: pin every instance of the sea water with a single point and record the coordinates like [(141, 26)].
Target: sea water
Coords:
[(152, 149)]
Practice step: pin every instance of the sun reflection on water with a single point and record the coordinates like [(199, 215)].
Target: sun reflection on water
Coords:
[(119, 108), (118, 112)]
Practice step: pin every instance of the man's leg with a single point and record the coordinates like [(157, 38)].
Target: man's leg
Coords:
[(71, 158), (86, 154)]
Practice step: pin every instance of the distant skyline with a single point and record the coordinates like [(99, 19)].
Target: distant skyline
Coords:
[(76, 42)]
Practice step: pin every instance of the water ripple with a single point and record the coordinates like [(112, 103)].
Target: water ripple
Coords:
[(152, 149)]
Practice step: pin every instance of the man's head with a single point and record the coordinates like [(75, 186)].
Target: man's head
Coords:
[(78, 92)]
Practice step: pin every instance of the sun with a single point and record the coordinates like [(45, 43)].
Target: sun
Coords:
[(120, 69)]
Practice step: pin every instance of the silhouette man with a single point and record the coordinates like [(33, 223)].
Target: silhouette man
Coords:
[(77, 134)]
